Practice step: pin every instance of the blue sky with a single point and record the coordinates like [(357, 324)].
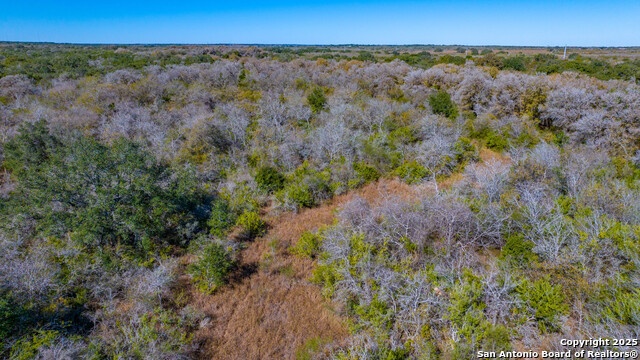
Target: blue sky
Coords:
[(532, 23)]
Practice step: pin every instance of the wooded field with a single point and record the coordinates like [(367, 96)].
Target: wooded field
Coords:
[(344, 202)]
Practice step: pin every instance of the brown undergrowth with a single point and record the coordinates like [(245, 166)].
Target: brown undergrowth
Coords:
[(270, 310)]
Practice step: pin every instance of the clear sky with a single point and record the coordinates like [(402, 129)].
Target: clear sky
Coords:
[(481, 22)]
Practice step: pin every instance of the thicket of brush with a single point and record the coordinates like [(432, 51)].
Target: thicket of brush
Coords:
[(109, 178)]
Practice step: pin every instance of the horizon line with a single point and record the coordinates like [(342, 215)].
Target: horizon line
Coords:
[(293, 44)]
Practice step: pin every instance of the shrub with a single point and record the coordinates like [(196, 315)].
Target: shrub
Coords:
[(27, 348), (464, 151), (365, 172), (490, 59), (317, 100), (623, 306), (251, 223), (401, 135), (492, 139), (298, 195), (545, 301), (560, 138), (310, 348), (466, 313), (308, 245), (494, 337), (411, 172), (376, 314), (212, 267), (269, 179), (400, 353), (156, 334), (243, 80), (466, 303), (380, 151), (306, 188), (301, 84), (243, 197), (442, 104), (496, 141), (10, 313), (202, 141), (519, 250), (326, 275), (222, 218)]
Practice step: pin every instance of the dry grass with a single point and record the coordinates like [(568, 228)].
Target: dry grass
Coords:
[(487, 155), (451, 180), (270, 309), (266, 316)]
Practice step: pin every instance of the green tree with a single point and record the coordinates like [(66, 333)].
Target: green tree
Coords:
[(308, 245), (212, 267), (442, 104), (99, 194), (10, 313), (514, 63), (222, 218), (545, 301), (251, 223), (366, 56), (317, 100), (269, 179)]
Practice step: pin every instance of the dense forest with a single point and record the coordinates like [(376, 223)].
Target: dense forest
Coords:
[(139, 183)]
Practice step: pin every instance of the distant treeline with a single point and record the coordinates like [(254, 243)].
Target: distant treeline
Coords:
[(48, 61)]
